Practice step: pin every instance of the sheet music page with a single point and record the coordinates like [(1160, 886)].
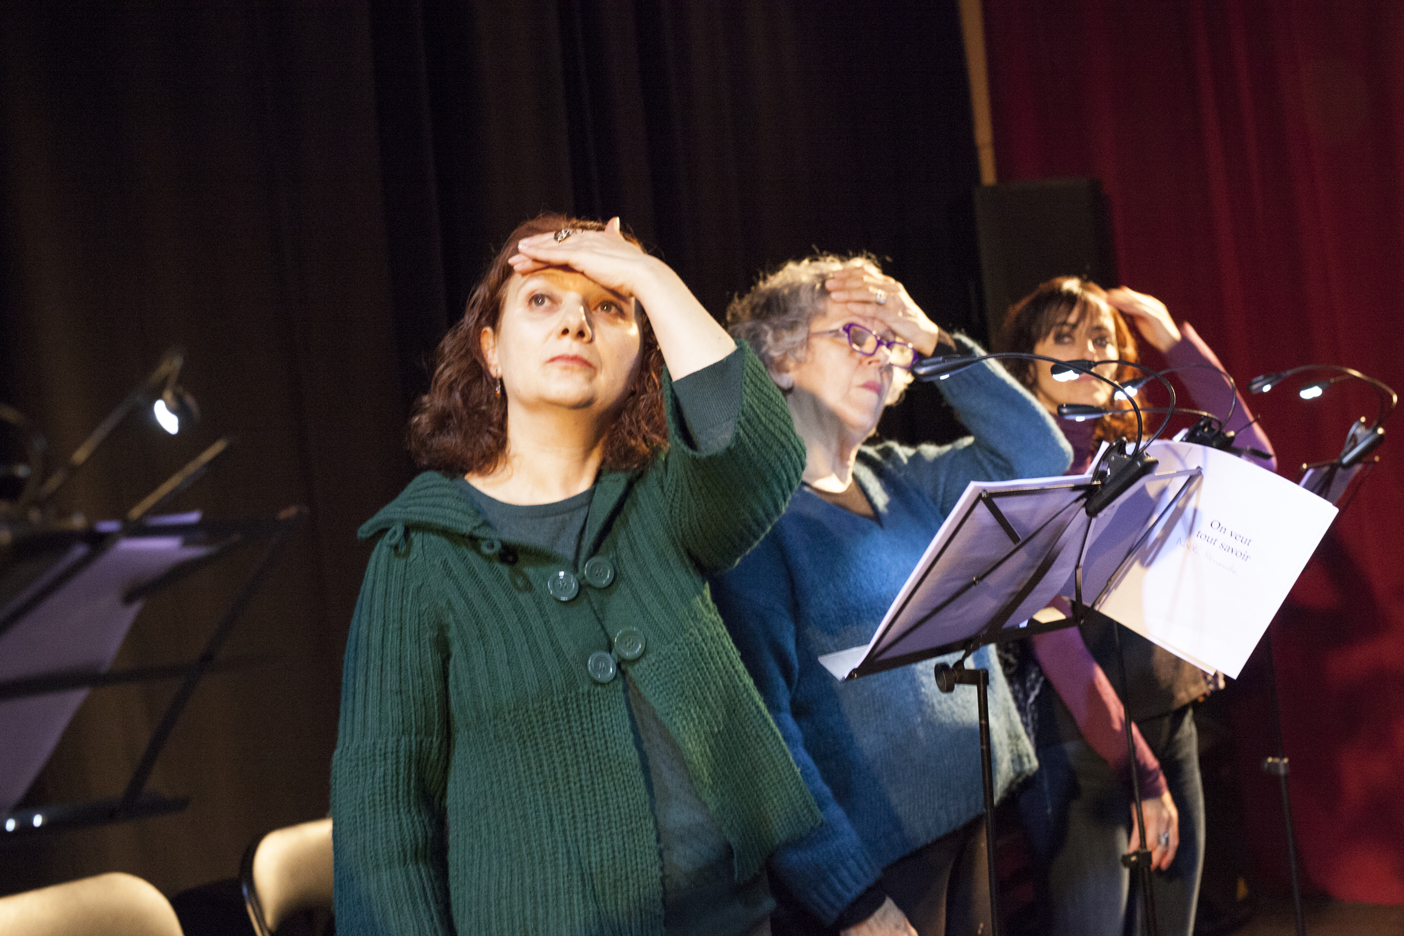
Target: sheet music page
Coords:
[(1208, 581), (969, 541), (77, 629)]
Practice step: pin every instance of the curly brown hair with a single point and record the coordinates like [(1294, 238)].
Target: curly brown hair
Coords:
[(460, 425), (1064, 300)]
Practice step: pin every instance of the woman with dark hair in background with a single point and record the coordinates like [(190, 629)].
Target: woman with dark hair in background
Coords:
[(544, 728), (1077, 812), (893, 763)]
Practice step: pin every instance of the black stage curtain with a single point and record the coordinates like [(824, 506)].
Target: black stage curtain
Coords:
[(301, 195)]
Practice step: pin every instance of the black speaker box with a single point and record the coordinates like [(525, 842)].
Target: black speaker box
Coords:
[(1028, 232)]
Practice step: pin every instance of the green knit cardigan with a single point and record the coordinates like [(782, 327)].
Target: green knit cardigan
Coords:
[(484, 781)]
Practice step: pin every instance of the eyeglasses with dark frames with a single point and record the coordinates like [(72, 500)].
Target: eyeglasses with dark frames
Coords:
[(865, 342)]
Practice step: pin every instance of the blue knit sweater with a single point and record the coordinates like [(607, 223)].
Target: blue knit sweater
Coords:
[(892, 762)]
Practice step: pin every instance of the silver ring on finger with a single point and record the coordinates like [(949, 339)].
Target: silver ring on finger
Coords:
[(1165, 840), (562, 234), (880, 297)]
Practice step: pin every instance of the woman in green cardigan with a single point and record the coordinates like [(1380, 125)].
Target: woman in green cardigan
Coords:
[(544, 727)]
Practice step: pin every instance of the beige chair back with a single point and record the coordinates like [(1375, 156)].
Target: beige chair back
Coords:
[(106, 905), (289, 870)]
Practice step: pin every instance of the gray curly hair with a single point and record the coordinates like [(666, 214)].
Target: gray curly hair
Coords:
[(774, 317)]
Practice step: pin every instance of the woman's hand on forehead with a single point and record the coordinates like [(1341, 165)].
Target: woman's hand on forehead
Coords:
[(1149, 315), (875, 299), (604, 256), (688, 337)]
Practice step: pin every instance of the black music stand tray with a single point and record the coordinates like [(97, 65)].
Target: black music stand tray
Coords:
[(1011, 549), (93, 582)]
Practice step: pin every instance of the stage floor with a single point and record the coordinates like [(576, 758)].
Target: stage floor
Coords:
[(1326, 918)]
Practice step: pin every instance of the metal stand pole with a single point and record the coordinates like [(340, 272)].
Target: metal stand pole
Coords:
[(1278, 767), (947, 678), (1139, 861)]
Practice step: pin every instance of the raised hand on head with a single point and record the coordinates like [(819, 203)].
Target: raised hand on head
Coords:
[(871, 294), (607, 257), (688, 336), (1149, 316)]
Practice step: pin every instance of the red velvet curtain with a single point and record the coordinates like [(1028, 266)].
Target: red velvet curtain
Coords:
[(1253, 153)]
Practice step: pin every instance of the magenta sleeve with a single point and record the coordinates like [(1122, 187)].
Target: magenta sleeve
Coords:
[(1210, 392), (1088, 694)]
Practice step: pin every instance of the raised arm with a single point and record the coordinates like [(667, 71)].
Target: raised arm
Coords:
[(724, 492), (1011, 435), (1183, 348), (390, 765), (1211, 392)]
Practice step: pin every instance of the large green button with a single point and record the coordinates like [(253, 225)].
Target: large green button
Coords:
[(629, 643), (562, 586), (599, 572), (600, 666)]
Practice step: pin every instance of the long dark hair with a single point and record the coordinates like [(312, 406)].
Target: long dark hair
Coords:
[(1065, 301), (460, 425)]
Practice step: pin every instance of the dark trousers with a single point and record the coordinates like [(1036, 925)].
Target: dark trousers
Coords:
[(1077, 817), (943, 888)]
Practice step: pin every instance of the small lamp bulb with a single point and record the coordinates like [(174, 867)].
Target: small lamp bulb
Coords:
[(169, 421)]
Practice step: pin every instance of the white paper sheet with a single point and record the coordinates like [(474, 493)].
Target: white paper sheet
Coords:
[(1215, 541), (1209, 581)]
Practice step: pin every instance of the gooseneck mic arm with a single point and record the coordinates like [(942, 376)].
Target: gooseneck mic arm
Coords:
[(160, 383), (1139, 382), (1388, 398), (1362, 439), (941, 366), (1122, 470)]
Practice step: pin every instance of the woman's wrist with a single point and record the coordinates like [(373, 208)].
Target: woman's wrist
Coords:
[(688, 336), (656, 283), (929, 338)]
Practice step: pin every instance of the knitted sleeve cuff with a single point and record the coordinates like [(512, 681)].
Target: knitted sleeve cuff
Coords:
[(710, 402)]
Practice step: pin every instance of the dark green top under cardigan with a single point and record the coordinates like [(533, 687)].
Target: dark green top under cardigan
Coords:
[(484, 781)]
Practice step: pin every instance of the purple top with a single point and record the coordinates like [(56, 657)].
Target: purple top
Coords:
[(1064, 657)]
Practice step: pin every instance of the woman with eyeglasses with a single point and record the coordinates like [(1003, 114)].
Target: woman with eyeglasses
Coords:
[(892, 762)]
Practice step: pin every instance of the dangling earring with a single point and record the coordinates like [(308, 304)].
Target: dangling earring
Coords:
[(497, 390)]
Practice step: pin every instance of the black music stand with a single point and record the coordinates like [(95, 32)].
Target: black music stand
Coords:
[(1004, 553), (1337, 482), (96, 585)]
